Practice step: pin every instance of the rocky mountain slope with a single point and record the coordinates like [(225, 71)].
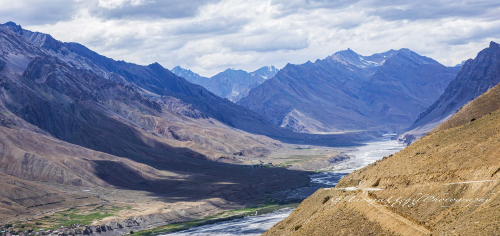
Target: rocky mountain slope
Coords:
[(231, 84), (347, 91), (475, 77), (160, 83), (445, 183), (70, 117)]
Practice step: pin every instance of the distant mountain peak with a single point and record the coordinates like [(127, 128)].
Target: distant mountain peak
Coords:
[(13, 26), (348, 52), (494, 45), (178, 68), (350, 57), (156, 65), (414, 57), (231, 83)]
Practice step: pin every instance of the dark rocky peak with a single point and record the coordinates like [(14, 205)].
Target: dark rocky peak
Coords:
[(163, 73), (37, 39), (494, 45), (185, 73), (232, 75), (406, 56), (14, 27), (346, 57), (156, 65), (12, 43)]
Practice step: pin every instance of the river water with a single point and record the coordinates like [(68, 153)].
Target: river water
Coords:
[(256, 225)]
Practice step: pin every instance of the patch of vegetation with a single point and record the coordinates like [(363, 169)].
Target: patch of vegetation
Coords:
[(296, 159), (297, 227), (67, 218), (73, 216)]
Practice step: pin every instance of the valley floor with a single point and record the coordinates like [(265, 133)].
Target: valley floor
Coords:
[(145, 210)]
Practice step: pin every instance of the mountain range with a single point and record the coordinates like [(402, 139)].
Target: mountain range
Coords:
[(445, 183), (347, 91), (231, 84), (70, 117), (80, 129)]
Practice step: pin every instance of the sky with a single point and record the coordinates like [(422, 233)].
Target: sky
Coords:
[(209, 36)]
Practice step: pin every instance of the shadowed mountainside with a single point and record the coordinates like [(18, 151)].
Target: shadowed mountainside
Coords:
[(160, 83), (71, 117)]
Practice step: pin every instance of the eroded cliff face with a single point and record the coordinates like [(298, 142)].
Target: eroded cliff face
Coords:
[(446, 182)]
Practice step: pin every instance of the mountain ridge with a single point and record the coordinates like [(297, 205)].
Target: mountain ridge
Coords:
[(338, 93), (160, 81), (231, 84)]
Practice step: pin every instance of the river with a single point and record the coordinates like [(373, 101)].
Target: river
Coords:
[(256, 225)]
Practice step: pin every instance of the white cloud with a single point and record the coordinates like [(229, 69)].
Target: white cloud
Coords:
[(113, 4), (209, 36)]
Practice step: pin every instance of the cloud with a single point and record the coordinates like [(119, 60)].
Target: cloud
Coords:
[(32, 12), (114, 4), (267, 43), (297, 5), (209, 36), (148, 9), (216, 25), (437, 9)]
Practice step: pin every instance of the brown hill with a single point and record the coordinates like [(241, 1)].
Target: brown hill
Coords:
[(445, 183), (483, 105)]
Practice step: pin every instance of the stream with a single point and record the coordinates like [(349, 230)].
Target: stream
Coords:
[(256, 225)]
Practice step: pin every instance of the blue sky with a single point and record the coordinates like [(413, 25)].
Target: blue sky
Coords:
[(209, 36)]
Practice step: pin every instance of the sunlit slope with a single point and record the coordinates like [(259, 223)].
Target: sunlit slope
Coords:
[(447, 182)]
